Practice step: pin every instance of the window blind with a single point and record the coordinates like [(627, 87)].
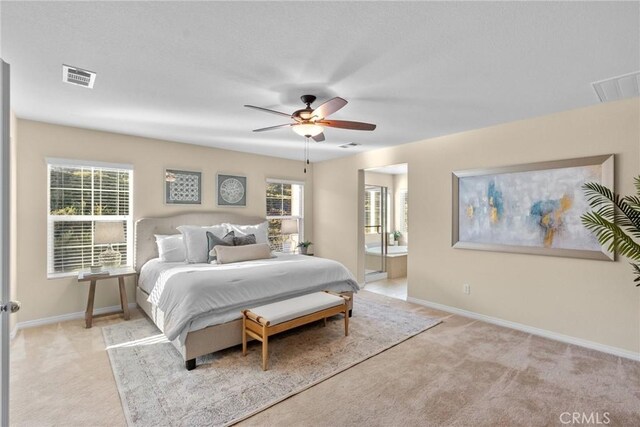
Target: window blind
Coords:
[(373, 211), (79, 195), (404, 213)]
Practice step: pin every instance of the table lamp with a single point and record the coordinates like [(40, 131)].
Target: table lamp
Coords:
[(288, 227), (109, 233)]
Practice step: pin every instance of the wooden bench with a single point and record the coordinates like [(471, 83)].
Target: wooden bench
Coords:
[(262, 322)]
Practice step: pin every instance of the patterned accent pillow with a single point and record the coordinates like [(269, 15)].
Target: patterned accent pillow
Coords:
[(213, 241), (261, 230), (249, 239)]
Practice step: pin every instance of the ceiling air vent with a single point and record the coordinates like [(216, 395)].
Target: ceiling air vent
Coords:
[(78, 76), (349, 145), (620, 87)]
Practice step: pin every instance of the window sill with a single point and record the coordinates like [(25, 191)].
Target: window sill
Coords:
[(53, 276)]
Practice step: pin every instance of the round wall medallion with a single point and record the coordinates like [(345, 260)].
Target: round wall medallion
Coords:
[(231, 190)]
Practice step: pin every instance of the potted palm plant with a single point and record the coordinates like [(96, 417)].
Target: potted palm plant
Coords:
[(615, 221), (304, 246)]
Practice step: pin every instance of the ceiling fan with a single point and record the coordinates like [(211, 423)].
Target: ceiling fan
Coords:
[(310, 122)]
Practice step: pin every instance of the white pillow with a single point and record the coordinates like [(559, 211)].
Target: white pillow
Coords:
[(259, 230), (195, 240), (229, 254), (171, 248)]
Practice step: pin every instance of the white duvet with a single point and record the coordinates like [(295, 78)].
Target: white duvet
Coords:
[(193, 296)]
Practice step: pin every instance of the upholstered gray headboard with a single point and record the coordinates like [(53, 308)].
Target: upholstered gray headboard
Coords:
[(145, 242)]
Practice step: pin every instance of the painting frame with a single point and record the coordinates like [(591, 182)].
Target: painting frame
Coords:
[(175, 174), (606, 163), (221, 178)]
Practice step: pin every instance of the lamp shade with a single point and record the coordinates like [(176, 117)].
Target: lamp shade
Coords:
[(289, 226), (108, 232), (307, 129)]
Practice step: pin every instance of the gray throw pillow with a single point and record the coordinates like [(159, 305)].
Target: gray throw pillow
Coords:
[(249, 239), (213, 241)]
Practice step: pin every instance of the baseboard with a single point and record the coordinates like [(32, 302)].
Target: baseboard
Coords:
[(530, 329), (68, 316)]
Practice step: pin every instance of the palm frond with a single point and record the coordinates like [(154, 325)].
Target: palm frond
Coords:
[(633, 202), (611, 235), (613, 207), (636, 269), (611, 216)]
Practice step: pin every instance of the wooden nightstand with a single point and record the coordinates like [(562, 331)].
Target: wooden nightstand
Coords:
[(120, 274)]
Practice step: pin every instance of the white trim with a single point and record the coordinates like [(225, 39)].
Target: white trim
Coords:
[(616, 351), (55, 161), (14, 332), (69, 316), (284, 181)]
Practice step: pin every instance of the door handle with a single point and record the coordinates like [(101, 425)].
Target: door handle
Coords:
[(11, 307)]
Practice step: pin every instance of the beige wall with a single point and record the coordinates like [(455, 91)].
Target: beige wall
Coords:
[(591, 300), (379, 179), (41, 297)]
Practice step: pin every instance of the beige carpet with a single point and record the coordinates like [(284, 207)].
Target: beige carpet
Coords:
[(462, 372), (470, 373)]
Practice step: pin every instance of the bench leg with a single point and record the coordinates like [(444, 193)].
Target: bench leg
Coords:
[(190, 364), (265, 349), (346, 322), (325, 322), (244, 334)]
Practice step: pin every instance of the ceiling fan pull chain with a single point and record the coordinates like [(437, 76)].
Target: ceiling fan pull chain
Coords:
[(306, 153)]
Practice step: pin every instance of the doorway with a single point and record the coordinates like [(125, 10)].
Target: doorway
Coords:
[(386, 229)]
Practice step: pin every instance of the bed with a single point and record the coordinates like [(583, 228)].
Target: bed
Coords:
[(198, 306)]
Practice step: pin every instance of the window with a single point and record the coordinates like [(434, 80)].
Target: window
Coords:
[(404, 211), (81, 193), (373, 196), (285, 200), (372, 220)]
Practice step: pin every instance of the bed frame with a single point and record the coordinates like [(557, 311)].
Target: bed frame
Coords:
[(211, 338)]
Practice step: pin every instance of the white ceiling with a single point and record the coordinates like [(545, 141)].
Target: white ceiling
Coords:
[(182, 71)]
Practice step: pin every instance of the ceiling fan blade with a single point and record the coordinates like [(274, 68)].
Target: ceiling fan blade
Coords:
[(329, 107), (319, 137), (273, 127), (266, 110), (345, 124)]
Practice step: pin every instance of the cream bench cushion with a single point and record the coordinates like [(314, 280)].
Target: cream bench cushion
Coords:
[(282, 311)]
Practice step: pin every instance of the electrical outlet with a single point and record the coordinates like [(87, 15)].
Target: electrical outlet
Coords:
[(466, 288)]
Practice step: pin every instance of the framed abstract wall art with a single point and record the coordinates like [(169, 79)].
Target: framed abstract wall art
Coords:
[(182, 187), (232, 191), (533, 208)]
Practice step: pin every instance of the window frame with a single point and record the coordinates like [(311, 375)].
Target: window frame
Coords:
[(52, 219), (281, 217)]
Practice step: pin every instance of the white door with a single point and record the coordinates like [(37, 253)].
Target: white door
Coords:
[(6, 306)]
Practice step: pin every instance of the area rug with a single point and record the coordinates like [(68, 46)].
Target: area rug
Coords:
[(157, 390)]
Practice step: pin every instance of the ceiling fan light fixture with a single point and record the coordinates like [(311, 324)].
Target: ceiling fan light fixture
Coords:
[(307, 129)]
